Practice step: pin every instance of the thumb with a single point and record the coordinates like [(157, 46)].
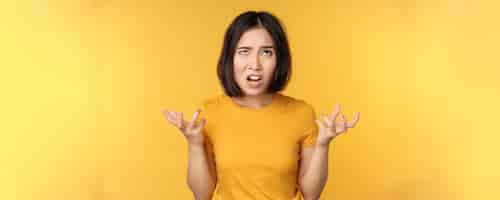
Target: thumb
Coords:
[(201, 124), (319, 123)]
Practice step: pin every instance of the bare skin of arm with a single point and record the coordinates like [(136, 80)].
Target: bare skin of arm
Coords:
[(313, 172), (201, 174)]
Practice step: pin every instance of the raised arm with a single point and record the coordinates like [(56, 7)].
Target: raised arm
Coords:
[(201, 177), (313, 173)]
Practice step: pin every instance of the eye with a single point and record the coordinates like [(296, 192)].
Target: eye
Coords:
[(243, 52), (267, 52)]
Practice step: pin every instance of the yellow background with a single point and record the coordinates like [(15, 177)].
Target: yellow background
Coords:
[(83, 83)]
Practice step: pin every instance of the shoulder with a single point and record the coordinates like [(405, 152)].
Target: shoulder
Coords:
[(296, 104), (211, 102), (300, 111)]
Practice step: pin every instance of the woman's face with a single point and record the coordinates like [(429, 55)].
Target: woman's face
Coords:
[(254, 61)]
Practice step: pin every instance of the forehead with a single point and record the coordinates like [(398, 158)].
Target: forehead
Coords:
[(256, 37)]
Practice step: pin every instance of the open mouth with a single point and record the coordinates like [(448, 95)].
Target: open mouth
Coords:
[(254, 78)]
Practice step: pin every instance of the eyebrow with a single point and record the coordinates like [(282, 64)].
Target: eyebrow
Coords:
[(246, 47)]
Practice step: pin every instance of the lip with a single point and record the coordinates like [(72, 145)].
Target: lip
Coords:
[(255, 75), (259, 75)]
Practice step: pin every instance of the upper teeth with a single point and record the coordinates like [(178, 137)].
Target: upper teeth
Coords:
[(254, 77)]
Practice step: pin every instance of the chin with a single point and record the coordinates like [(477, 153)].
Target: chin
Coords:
[(254, 92)]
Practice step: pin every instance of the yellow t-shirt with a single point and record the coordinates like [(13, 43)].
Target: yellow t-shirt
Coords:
[(257, 150)]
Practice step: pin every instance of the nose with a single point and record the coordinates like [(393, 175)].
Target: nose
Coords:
[(254, 64)]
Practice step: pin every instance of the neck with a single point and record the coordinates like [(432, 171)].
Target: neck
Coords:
[(254, 101)]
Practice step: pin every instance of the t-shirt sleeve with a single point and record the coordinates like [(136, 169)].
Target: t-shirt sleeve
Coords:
[(310, 127), (204, 114)]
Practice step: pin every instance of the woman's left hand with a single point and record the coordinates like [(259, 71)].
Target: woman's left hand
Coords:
[(330, 128)]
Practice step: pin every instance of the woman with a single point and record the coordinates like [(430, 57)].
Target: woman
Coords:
[(253, 142)]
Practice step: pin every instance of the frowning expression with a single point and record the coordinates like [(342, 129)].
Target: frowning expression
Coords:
[(254, 61)]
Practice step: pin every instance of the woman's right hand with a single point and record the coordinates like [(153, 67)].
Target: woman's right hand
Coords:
[(192, 130)]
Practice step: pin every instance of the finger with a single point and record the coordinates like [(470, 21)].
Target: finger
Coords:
[(166, 113), (175, 117), (327, 121), (342, 120), (195, 115), (341, 124), (180, 120), (319, 123), (335, 112), (353, 122), (170, 118), (201, 124)]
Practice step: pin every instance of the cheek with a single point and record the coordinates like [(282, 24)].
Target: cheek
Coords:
[(238, 68), (239, 63), (237, 75), (269, 65)]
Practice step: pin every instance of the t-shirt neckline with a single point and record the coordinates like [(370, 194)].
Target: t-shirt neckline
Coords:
[(274, 101)]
